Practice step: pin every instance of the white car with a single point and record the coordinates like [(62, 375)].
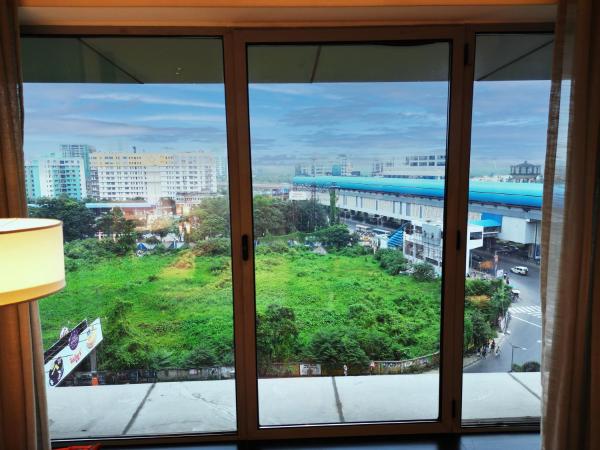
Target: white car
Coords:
[(521, 270)]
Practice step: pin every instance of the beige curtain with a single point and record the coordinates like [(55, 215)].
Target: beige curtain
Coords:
[(571, 236), (23, 413)]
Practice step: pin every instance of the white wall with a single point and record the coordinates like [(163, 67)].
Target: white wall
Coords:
[(519, 230)]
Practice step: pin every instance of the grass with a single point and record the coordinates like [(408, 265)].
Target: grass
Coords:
[(177, 303)]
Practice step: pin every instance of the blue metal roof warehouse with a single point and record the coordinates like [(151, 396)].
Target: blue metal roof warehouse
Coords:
[(527, 195)]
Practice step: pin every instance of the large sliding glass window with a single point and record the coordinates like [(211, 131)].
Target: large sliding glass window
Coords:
[(125, 142), (347, 152), (349, 163), (503, 318)]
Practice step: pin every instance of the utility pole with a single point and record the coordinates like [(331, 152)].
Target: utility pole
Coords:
[(512, 353)]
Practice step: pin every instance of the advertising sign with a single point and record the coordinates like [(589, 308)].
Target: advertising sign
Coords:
[(298, 195), (70, 351), (307, 370)]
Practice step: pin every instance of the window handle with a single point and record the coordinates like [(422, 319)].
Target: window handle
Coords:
[(245, 247)]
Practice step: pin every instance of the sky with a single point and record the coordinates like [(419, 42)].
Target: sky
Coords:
[(291, 123)]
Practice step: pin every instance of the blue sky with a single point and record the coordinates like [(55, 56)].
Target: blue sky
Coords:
[(291, 122)]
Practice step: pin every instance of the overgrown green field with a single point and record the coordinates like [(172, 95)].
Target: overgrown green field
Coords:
[(175, 310)]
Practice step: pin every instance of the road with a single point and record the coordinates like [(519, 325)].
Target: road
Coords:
[(525, 326)]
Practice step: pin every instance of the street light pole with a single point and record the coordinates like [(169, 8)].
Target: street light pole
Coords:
[(512, 353)]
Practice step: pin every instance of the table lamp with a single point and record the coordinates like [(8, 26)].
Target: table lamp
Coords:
[(31, 259)]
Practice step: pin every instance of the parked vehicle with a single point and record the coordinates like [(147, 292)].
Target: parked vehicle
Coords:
[(520, 270)]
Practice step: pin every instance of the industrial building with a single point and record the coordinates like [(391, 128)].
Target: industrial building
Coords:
[(497, 210)]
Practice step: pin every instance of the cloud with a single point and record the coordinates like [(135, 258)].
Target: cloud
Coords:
[(194, 118), (92, 130), (150, 99), (289, 89), (376, 143), (512, 122), (304, 89)]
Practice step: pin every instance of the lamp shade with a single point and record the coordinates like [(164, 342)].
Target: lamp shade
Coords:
[(31, 259)]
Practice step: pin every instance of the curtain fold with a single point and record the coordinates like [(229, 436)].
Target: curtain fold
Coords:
[(23, 411), (571, 259)]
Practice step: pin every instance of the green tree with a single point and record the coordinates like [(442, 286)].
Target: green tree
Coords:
[(392, 261), (334, 217), (334, 237), (276, 335), (378, 345), (269, 216), (333, 349), (481, 330), (306, 215), (210, 226), (121, 230), (218, 206), (78, 221), (210, 219)]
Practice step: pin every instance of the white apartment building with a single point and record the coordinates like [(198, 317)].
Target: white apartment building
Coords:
[(419, 165), (120, 176), (56, 176)]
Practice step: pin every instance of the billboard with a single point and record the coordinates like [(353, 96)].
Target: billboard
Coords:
[(64, 356), (307, 370)]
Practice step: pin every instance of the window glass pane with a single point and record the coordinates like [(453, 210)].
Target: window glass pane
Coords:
[(125, 142), (503, 319), (348, 284)]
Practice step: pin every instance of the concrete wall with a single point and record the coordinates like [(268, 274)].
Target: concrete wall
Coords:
[(519, 230)]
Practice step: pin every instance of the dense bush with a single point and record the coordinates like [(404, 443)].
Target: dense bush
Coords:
[(335, 237), (122, 347), (272, 247), (356, 250), (529, 366), (485, 302), (392, 261), (276, 335), (201, 356), (154, 315), (213, 247), (334, 348), (423, 272), (84, 252)]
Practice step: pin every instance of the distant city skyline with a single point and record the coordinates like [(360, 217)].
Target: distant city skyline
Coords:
[(291, 123)]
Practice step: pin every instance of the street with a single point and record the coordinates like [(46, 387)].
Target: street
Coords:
[(525, 326)]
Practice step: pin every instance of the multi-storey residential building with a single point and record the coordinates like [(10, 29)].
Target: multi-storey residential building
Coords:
[(221, 164), (82, 151), (56, 176), (78, 151), (123, 176)]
